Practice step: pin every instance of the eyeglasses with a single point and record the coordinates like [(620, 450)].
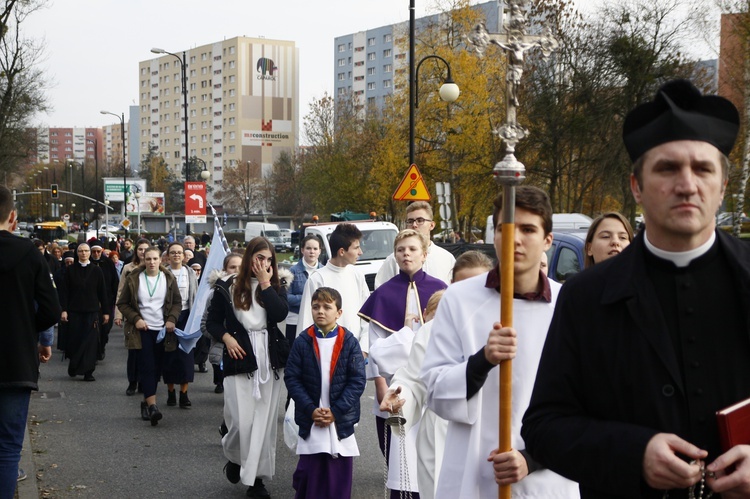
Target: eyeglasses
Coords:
[(418, 221), (176, 253)]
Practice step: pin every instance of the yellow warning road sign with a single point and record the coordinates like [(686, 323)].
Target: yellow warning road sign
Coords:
[(412, 187)]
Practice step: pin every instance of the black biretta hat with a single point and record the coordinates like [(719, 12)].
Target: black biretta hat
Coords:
[(680, 112)]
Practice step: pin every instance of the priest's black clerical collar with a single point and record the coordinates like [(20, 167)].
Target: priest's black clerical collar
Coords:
[(545, 294)]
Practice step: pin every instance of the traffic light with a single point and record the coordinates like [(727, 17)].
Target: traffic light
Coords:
[(55, 194)]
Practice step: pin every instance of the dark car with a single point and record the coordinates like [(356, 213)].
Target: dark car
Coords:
[(565, 256)]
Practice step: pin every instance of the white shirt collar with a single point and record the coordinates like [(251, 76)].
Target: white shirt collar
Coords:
[(680, 258)]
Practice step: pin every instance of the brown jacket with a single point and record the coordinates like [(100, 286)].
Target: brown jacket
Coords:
[(127, 303)]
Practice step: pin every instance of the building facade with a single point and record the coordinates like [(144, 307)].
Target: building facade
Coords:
[(366, 63), (243, 106), (56, 145)]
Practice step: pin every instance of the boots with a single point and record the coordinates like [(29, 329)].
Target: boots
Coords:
[(144, 411), (154, 414), (171, 398), (184, 400)]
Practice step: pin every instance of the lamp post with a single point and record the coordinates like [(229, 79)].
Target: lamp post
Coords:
[(205, 174), (91, 218), (183, 65), (448, 92), (106, 217), (138, 202), (96, 178), (124, 164)]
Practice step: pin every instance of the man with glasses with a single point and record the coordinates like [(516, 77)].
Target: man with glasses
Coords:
[(439, 262)]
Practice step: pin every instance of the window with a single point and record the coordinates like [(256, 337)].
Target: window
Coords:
[(386, 83), (231, 149), (371, 56), (371, 101), (567, 264), (203, 56), (143, 71), (231, 50), (192, 73), (359, 49), (387, 53), (204, 70), (231, 106), (340, 76), (370, 71), (387, 38), (359, 78), (341, 62), (231, 64), (342, 47), (232, 92), (231, 121), (400, 56), (232, 79), (232, 135), (359, 63), (342, 90), (387, 68), (350, 45), (371, 42)]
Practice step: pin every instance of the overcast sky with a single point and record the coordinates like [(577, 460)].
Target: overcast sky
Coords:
[(93, 47)]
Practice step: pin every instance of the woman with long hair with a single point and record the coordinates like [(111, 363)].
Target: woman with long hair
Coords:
[(243, 315), (150, 302), (132, 365), (608, 235)]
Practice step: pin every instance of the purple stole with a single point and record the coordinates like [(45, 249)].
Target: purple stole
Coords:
[(386, 305)]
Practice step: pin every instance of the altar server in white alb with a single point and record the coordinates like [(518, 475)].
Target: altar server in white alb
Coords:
[(339, 273), (439, 262), (460, 365)]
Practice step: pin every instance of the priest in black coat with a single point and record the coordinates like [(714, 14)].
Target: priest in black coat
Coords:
[(644, 348)]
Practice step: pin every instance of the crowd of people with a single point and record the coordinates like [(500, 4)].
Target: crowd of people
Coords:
[(617, 373)]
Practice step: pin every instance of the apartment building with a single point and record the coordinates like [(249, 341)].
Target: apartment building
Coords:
[(243, 105), (366, 62)]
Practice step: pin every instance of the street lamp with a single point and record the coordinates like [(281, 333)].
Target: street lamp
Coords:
[(124, 164), (91, 219), (205, 174), (183, 65), (448, 92)]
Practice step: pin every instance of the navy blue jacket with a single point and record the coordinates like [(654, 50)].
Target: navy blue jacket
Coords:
[(303, 382)]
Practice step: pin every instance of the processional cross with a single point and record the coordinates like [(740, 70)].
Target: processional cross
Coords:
[(509, 173)]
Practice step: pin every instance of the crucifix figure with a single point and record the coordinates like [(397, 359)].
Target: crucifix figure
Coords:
[(516, 43)]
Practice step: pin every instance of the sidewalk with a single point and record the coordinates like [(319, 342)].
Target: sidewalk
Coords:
[(27, 489)]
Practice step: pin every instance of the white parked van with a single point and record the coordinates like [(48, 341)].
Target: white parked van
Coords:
[(377, 244), (255, 229)]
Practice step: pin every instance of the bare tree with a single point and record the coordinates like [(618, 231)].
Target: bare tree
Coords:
[(22, 84)]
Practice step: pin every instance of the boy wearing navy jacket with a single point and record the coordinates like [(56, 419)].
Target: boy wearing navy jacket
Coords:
[(325, 376)]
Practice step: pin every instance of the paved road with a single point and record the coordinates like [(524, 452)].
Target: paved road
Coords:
[(87, 440)]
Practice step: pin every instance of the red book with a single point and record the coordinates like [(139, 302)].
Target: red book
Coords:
[(734, 425)]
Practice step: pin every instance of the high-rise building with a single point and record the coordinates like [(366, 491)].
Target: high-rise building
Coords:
[(366, 63), (56, 145), (243, 105)]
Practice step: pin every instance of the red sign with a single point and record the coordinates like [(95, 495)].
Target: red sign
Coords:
[(195, 199)]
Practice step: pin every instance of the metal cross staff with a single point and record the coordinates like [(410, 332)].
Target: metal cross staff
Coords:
[(509, 173)]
